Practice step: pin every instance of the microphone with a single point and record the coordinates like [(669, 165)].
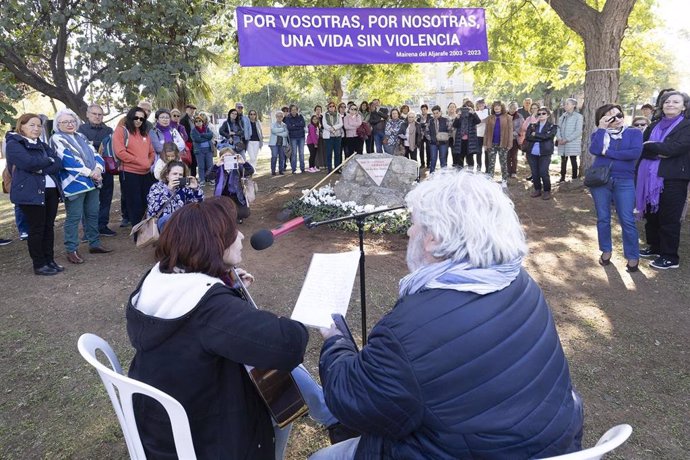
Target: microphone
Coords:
[(263, 238)]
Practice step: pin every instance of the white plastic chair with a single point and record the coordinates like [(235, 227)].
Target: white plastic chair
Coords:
[(611, 439), (113, 379)]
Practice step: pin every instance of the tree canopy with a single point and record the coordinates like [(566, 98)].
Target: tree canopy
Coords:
[(109, 51)]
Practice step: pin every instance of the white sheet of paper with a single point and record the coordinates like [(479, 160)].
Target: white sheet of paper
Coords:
[(327, 288)]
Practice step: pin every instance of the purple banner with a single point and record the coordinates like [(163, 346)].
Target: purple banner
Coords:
[(329, 36)]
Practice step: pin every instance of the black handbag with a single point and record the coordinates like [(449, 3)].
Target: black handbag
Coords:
[(597, 176)]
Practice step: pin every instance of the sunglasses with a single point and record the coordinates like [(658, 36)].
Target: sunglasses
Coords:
[(542, 113), (618, 115), (177, 115), (639, 124), (139, 119)]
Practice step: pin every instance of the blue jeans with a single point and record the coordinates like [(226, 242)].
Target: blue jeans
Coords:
[(622, 192), (437, 149), (333, 149), (20, 220), (539, 167), (84, 205), (344, 450), (297, 148), (277, 156), (378, 140), (204, 162), (318, 411)]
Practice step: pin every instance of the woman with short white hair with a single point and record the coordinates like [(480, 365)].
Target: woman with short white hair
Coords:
[(81, 177)]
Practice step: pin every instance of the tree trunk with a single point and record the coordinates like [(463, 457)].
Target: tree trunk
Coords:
[(601, 85), (602, 33)]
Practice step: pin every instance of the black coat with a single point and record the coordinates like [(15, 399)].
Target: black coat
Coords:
[(197, 359), (544, 137), (31, 163), (674, 151), (472, 143)]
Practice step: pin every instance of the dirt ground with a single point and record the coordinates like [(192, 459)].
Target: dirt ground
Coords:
[(625, 335)]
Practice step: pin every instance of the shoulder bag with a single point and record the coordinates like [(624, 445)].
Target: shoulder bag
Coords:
[(596, 177), (146, 231), (249, 188)]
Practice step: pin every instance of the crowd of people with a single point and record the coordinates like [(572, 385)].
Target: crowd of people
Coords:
[(446, 389), (474, 135)]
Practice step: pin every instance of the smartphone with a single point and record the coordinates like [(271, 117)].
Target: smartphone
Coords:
[(230, 162), (612, 119), (341, 325), (183, 182)]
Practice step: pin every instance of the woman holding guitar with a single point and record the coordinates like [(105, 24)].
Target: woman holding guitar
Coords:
[(194, 329)]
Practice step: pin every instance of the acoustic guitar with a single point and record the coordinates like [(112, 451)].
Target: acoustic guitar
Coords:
[(278, 389)]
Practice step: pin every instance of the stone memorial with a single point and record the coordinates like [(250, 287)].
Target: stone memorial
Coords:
[(378, 179)]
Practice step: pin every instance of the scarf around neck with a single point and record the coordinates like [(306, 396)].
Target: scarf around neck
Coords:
[(78, 145), (167, 132), (460, 276), (664, 127)]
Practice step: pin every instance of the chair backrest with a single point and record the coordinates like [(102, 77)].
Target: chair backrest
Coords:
[(120, 388), (611, 439)]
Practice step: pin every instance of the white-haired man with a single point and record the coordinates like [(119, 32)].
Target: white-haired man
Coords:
[(468, 364)]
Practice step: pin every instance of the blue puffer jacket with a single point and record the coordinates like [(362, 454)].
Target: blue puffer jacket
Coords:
[(32, 162), (295, 126), (453, 375)]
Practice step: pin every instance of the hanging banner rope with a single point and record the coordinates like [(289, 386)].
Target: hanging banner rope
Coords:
[(331, 36)]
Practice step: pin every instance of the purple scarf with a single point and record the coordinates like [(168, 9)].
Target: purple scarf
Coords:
[(649, 184), (167, 135)]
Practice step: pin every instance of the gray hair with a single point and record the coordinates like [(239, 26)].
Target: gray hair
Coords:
[(513, 104), (470, 218), (62, 113), (572, 101)]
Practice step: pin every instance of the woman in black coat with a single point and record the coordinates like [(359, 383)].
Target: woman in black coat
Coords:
[(539, 148), (36, 189), (465, 143), (662, 179)]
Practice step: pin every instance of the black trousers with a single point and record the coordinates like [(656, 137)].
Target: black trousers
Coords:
[(41, 221), (564, 166), (312, 154), (462, 154), (105, 195), (480, 146), (663, 227), (425, 152), (353, 145), (135, 188)]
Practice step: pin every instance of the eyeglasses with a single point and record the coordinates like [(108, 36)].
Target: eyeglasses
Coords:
[(542, 113), (177, 115), (637, 125), (139, 119), (67, 122)]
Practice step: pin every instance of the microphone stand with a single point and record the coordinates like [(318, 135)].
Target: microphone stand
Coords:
[(359, 220)]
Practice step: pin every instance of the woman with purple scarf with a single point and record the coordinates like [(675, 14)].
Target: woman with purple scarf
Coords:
[(615, 145), (164, 131), (663, 177)]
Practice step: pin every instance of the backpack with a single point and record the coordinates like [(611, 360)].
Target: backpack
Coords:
[(113, 165), (7, 178)]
